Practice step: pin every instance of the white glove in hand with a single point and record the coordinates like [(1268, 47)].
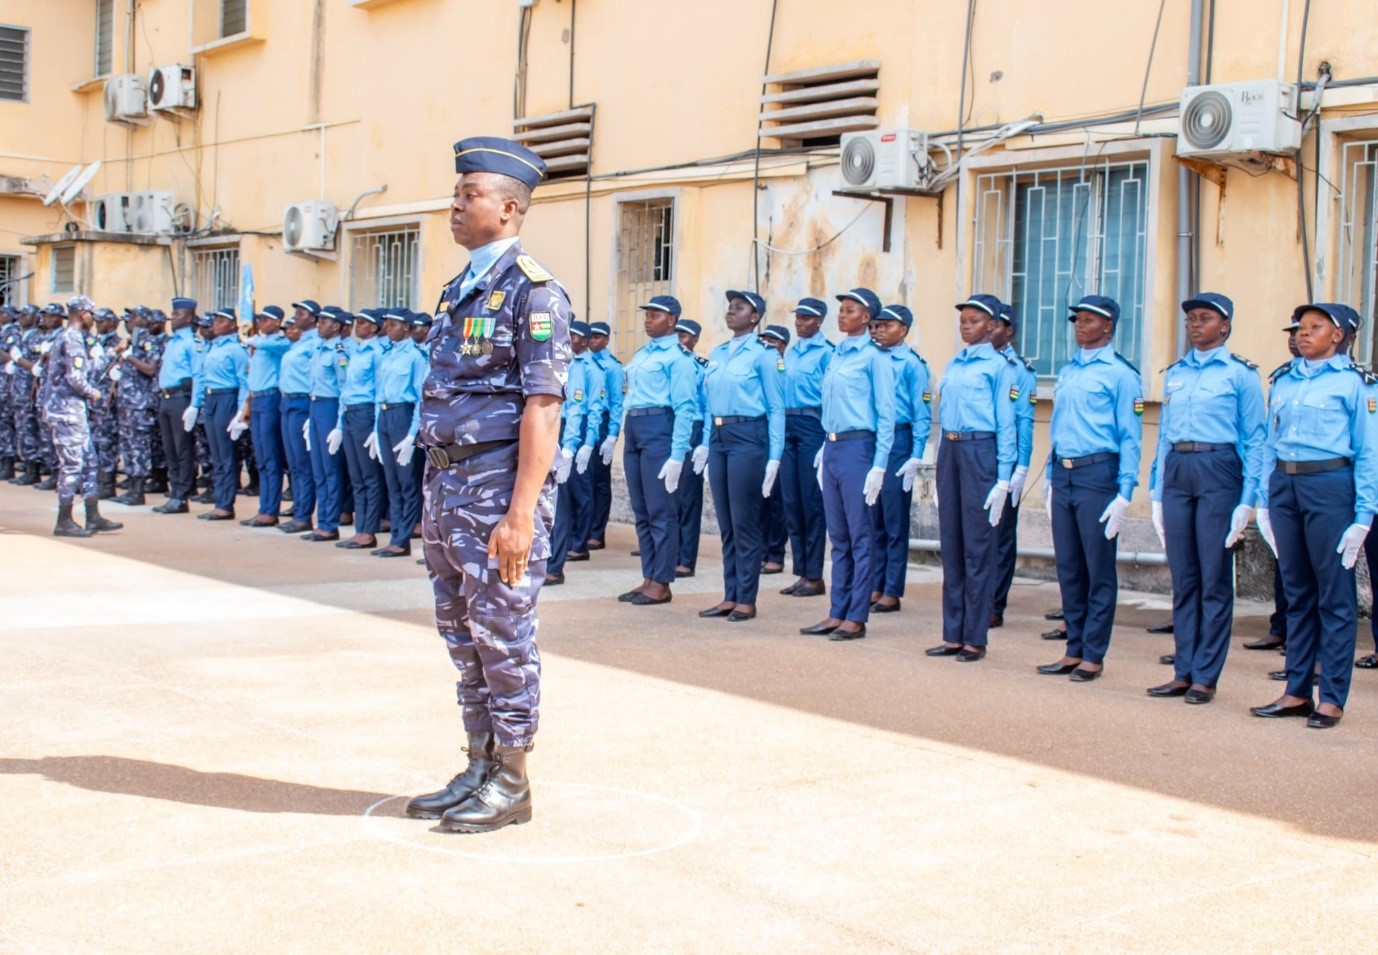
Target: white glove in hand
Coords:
[(871, 489), (818, 466), (1238, 521), (1158, 524), (907, 472), (236, 428), (38, 373), (563, 461), (1048, 500), (1265, 530), (371, 442), (333, 440), (1350, 544), (670, 475), (1017, 481), (995, 502), (1113, 517), (581, 460), (772, 469), (606, 448), (115, 374), (404, 450), (306, 434), (700, 458), (189, 418)]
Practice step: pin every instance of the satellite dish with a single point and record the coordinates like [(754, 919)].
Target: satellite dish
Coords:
[(79, 183), (62, 185)]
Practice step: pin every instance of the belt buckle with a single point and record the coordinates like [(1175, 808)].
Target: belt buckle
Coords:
[(717, 422), (438, 457), (1067, 463), (832, 436), (952, 436)]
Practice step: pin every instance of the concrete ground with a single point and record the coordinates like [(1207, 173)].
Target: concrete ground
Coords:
[(209, 733)]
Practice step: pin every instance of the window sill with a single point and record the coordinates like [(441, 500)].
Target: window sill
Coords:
[(94, 83), (369, 4), (223, 44)]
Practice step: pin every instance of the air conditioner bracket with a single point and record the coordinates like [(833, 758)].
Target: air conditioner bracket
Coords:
[(887, 197)]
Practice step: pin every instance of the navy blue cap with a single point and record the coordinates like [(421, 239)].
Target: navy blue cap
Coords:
[(106, 315), (1342, 315), (663, 303), (402, 315), (1100, 304), (226, 312), (502, 156), (271, 311), (690, 326), (865, 296), (758, 304), (184, 303), (579, 328), (1006, 313), (55, 309), (421, 320), (600, 328), (310, 305), (206, 320), (990, 304), (812, 306), (155, 315), (897, 313), (373, 316), (1212, 300), (778, 332)]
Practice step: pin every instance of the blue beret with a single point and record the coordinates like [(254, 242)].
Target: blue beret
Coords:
[(778, 332), (812, 306), (309, 304), (1100, 304), (579, 328), (870, 300), (986, 303), (271, 311), (690, 326), (663, 303), (897, 313), (184, 303), (600, 328), (758, 304), (1343, 316), (1212, 300), (502, 156)]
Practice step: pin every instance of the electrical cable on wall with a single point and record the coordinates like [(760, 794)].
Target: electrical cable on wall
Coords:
[(756, 174), (1152, 48), (1301, 178)]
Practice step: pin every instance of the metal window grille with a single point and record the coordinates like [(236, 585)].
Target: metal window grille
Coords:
[(645, 266), (105, 36), (64, 268), (9, 275), (14, 63), (384, 268), (1044, 238), (216, 278), (234, 17), (1358, 264)]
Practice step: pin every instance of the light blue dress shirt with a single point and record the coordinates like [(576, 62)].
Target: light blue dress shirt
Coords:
[(859, 393), (328, 364), (662, 374), (747, 381), (265, 361), (179, 358), (225, 364), (1323, 410), (1027, 381), (360, 385), (1215, 398), (582, 409), (401, 375), (913, 401), (979, 392), (294, 371), (481, 260), (806, 360), (1097, 409), (614, 388)]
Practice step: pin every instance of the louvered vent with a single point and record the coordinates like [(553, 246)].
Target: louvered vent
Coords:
[(815, 107), (564, 140)]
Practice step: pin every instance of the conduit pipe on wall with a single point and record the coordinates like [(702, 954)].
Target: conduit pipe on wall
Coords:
[(1188, 212)]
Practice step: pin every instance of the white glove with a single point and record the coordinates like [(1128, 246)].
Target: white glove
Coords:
[(37, 370), (1158, 525), (995, 502), (871, 489), (45, 347), (404, 450), (189, 418), (333, 440), (700, 458), (236, 428), (1238, 521), (907, 472), (772, 469), (563, 461), (97, 352), (606, 448), (1113, 517), (818, 466), (10, 367), (581, 460), (371, 442), (670, 475), (1350, 543), (1021, 474), (306, 434), (115, 374), (1048, 500), (1265, 530)]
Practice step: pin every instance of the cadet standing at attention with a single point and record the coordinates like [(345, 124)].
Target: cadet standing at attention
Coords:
[(1007, 532), (294, 383), (104, 423), (745, 436), (329, 360), (1097, 432), (356, 430), (176, 371), (222, 388), (858, 415), (401, 378), (773, 524), (139, 355), (264, 414), (614, 393), (9, 337), (580, 418), (595, 407), (690, 508), (661, 404), (23, 360), (490, 422)]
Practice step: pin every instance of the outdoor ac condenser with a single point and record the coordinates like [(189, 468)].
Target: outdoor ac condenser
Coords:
[(1226, 122), (884, 159), (310, 226)]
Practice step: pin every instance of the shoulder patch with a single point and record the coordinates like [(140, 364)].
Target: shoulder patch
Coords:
[(1243, 361), (532, 269), (1138, 403), (539, 323)]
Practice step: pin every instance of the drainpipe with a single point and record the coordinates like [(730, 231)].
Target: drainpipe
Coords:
[(1188, 218)]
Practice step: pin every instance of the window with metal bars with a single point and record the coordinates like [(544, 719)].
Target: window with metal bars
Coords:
[(105, 37), (14, 64), (1357, 272), (1046, 237), (215, 275), (64, 268), (234, 17), (645, 266), (384, 268), (9, 279)]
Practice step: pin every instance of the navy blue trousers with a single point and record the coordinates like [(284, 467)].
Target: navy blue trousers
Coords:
[(845, 464), (802, 496), (690, 507), (773, 525), (1371, 557), (178, 449), (294, 413), (736, 470), (1086, 571), (645, 449), (890, 520), (602, 488), (365, 474), (581, 493), (1200, 492), (1310, 513), (327, 470), (967, 470), (404, 488), (562, 531), (265, 427), (219, 411), (1006, 555)]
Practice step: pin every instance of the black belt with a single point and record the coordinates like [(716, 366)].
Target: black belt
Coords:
[(222, 391), (452, 454), (1190, 446), (296, 394), (183, 392), (850, 435), (1314, 467), (397, 404), (642, 412), (325, 397), (359, 405), (1090, 459), (266, 393), (967, 435), (736, 419), (808, 412)]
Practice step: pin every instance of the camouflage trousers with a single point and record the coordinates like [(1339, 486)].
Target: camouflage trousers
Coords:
[(75, 448), (25, 428), (137, 429), (159, 457), (488, 626), (7, 442), (105, 433), (47, 448), (203, 447)]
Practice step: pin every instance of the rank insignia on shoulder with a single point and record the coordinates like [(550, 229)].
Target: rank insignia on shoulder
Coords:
[(532, 269), (1138, 406), (539, 323), (495, 301), (1014, 393), (1243, 361)]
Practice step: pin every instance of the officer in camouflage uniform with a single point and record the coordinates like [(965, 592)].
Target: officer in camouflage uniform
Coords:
[(103, 414), (67, 389), (490, 421), (155, 320), (9, 337), (19, 373), (138, 356), (51, 325)]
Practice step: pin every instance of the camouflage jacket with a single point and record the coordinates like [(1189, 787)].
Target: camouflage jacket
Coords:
[(137, 390), (67, 376)]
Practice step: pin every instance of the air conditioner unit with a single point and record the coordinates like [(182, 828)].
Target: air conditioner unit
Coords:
[(172, 89), (153, 214), (1225, 122), (113, 213), (885, 159), (126, 100), (310, 226)]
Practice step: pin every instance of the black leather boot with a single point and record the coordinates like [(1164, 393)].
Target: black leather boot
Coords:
[(105, 486), (134, 497), (26, 475), (504, 799), (432, 805), (49, 483), (66, 527), (6, 468), (157, 484), (94, 522)]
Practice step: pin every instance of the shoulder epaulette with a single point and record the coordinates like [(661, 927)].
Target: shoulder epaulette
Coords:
[(532, 269), (1127, 363), (1244, 361), (687, 352), (1029, 365), (1279, 371), (1364, 372), (699, 359)]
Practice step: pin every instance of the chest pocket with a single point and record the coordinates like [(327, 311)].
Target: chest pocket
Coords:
[(1316, 413)]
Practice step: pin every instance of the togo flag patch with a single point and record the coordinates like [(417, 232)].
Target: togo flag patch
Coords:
[(76, 363), (539, 322), (1138, 406), (1373, 405), (928, 397), (1014, 393)]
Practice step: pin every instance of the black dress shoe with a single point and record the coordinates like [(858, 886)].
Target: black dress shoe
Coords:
[(205, 497), (817, 630), (1279, 675), (1168, 659), (790, 590), (840, 635), (1085, 676), (1269, 642), (216, 516), (641, 600), (255, 522), (879, 607), (1057, 669), (384, 552), (809, 590), (737, 616), (1319, 721), (554, 580), (1160, 628), (636, 553), (574, 555), (681, 574), (595, 545), (716, 612), (1273, 712), (1054, 615), (627, 597), (1369, 662), (355, 545), (971, 656), (942, 650), (174, 505), (766, 570), (1054, 634), (1169, 689), (320, 537), (294, 527), (1197, 697), (996, 620)]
